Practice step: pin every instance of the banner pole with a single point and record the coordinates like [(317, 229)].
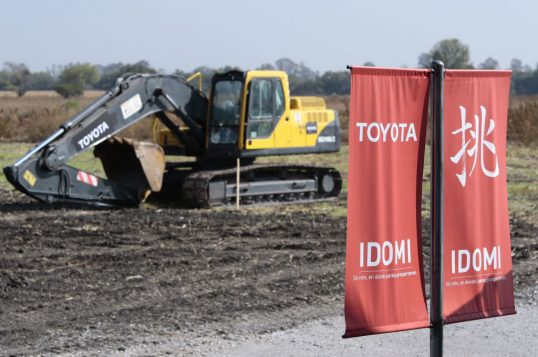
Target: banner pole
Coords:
[(436, 176), (238, 183)]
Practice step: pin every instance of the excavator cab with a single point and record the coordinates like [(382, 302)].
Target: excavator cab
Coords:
[(224, 122), (252, 114), (266, 110)]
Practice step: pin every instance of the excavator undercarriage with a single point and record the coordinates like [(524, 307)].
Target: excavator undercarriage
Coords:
[(260, 184)]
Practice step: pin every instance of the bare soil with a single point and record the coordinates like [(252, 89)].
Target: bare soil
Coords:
[(97, 281)]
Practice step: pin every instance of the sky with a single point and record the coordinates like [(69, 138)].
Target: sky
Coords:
[(325, 35)]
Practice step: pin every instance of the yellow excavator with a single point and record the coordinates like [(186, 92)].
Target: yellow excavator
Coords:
[(248, 115)]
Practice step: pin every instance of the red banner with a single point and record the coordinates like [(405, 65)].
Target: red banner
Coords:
[(384, 278), (477, 255)]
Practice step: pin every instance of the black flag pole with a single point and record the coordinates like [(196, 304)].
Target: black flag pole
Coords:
[(436, 252)]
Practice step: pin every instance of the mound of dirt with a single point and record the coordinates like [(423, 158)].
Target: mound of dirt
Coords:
[(10, 280)]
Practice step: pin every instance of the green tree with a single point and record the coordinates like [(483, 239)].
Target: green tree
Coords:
[(524, 79), (40, 81), (17, 76), (75, 78), (335, 82), (526, 83), (489, 63), (114, 71), (4, 81), (297, 70), (305, 87), (516, 65), (452, 52), (267, 67)]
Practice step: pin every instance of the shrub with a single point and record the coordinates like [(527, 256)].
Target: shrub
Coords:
[(67, 90)]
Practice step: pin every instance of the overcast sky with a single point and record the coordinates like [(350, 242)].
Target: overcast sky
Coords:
[(325, 35)]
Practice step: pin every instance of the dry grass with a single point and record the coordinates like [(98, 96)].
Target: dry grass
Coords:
[(31, 118), (48, 94), (37, 114), (523, 120)]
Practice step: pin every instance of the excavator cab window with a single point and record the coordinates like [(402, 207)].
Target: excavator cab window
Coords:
[(226, 111), (266, 106)]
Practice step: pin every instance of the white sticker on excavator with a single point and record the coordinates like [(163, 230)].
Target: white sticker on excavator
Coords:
[(87, 178), (131, 106)]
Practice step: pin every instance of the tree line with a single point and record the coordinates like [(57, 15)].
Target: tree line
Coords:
[(73, 79)]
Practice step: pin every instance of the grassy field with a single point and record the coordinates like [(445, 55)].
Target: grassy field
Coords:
[(522, 173)]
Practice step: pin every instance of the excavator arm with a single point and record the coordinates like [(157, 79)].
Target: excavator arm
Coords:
[(133, 168)]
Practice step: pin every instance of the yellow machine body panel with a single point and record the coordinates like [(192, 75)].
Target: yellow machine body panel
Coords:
[(312, 117), (299, 125)]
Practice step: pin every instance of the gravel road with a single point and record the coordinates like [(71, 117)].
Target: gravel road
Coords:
[(515, 335)]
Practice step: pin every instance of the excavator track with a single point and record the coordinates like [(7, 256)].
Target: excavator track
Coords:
[(261, 184)]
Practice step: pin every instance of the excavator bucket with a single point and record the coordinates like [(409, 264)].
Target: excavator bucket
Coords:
[(135, 164)]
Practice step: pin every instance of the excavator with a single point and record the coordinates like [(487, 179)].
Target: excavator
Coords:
[(212, 142)]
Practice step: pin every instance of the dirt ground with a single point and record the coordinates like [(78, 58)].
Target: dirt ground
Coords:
[(99, 281)]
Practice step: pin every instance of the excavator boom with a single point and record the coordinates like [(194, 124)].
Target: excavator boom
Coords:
[(133, 168)]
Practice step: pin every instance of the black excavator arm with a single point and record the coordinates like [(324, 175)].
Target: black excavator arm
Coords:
[(43, 172)]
